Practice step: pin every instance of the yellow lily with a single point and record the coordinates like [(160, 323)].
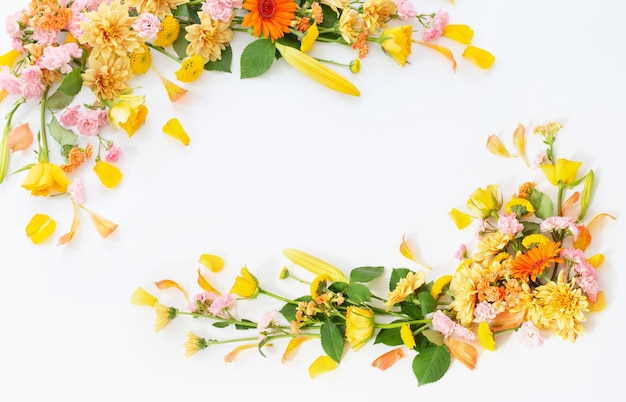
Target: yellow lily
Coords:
[(359, 326), (316, 70), (110, 175), (321, 365), (174, 129), (396, 42), (40, 227), (564, 171), (246, 285), (485, 201), (315, 265)]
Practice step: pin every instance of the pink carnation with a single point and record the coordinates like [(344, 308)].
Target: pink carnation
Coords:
[(32, 86), (484, 311), (77, 191), (508, 224), (529, 335), (220, 304), (461, 252), (88, 122), (147, 26), (69, 117), (436, 26), (221, 10), (45, 37), (406, 9), (443, 323), (112, 154), (9, 82), (560, 222), (203, 298), (59, 57)]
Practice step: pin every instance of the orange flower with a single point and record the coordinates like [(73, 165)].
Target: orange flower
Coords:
[(535, 260), (270, 17)]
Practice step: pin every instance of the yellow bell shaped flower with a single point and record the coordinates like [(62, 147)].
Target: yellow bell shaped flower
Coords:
[(44, 178), (110, 175), (359, 326), (564, 171), (246, 285), (483, 202), (128, 112), (396, 42)]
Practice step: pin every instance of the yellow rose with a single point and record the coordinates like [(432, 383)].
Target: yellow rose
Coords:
[(359, 326), (397, 42), (128, 112), (43, 178)]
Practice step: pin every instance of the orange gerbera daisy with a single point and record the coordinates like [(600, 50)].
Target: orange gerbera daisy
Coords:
[(536, 260), (272, 18)]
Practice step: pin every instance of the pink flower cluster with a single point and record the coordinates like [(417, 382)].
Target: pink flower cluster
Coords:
[(28, 84), (560, 222), (59, 57), (221, 10), (508, 224), (214, 304), (406, 9), (447, 327), (88, 121), (436, 26), (586, 274)]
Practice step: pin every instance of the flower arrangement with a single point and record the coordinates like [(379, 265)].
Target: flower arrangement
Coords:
[(526, 273), (94, 48)]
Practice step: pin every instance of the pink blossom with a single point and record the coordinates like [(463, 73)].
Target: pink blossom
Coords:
[(112, 154), (88, 122), (45, 37), (541, 158), (64, 3), (461, 252), (9, 82), (69, 117), (266, 319), (406, 9), (147, 25), (484, 311), (203, 298), (220, 304), (11, 25), (32, 86), (73, 26), (77, 190), (464, 333), (508, 224), (443, 323), (560, 222), (103, 117), (589, 285), (529, 335), (59, 57), (436, 26), (221, 10), (480, 228)]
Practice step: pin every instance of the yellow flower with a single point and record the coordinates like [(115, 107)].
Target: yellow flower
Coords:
[(396, 42), (108, 77), (315, 265), (563, 172), (141, 297), (193, 344), (190, 69), (140, 59), (485, 336), (128, 112), (407, 336), (208, 38), (164, 315), (535, 239), (310, 36), (439, 285), (481, 57), (174, 129), (40, 227), (110, 175), (459, 32), (168, 32), (318, 286), (490, 245), (404, 288), (484, 202), (359, 326), (460, 219), (376, 13), (521, 206), (160, 8), (321, 365), (44, 178), (349, 25), (246, 285)]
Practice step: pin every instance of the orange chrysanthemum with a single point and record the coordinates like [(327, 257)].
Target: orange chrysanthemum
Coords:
[(271, 18), (536, 260)]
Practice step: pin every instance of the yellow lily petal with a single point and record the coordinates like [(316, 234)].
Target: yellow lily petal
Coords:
[(66, 238), (443, 50), (460, 219), (321, 365), (104, 226), (168, 284), (599, 304), (204, 284), (596, 260), (292, 347), (9, 58), (485, 336), (406, 252), (174, 92), (496, 147), (141, 297), (40, 227), (110, 175), (175, 129), (20, 138), (459, 32), (597, 219), (519, 140), (316, 70), (481, 57), (407, 336), (386, 360), (315, 265), (213, 262), (230, 357)]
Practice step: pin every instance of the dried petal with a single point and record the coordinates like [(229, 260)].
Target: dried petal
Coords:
[(168, 284), (443, 50), (204, 284)]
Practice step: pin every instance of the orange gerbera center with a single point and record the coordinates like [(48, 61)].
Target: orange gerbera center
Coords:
[(536, 260)]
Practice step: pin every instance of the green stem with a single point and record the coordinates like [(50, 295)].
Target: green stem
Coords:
[(4, 146), (560, 199), (43, 136), (275, 296), (165, 52), (399, 324), (220, 319)]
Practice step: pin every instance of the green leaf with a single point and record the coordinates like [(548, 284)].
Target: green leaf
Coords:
[(72, 83), (330, 17), (431, 364), (412, 310), (530, 228), (544, 208), (180, 46), (221, 324), (257, 58), (223, 64), (389, 337), (366, 274), (427, 302), (396, 275), (338, 287), (238, 326), (359, 293), (59, 100), (60, 134), (332, 340), (289, 310)]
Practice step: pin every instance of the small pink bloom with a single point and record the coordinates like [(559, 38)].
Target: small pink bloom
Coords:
[(406, 9), (266, 319), (59, 57), (529, 335), (508, 224), (12, 26), (541, 158), (221, 10), (112, 154), (203, 298), (484, 311), (220, 304), (69, 117), (560, 222), (443, 323), (32, 86), (480, 228), (77, 190), (461, 252), (88, 122), (45, 37), (436, 25), (147, 25), (464, 333), (9, 82), (103, 117)]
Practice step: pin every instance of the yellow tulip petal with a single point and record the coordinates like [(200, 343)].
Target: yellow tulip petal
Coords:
[(496, 147), (481, 57), (407, 336), (599, 304), (213, 262), (110, 175), (596, 260), (141, 297), (40, 227), (459, 32), (204, 284), (168, 284), (407, 253), (519, 141), (460, 219), (443, 50), (175, 129), (230, 357), (104, 226), (386, 360), (321, 365), (9, 58), (66, 238), (292, 347)]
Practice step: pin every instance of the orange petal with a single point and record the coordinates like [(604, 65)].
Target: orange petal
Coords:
[(584, 238), (292, 347), (229, 358), (104, 226), (443, 50), (496, 147), (321, 365), (519, 140), (168, 284), (66, 238), (174, 92), (463, 352), (175, 129), (212, 262), (20, 138), (507, 320), (142, 298), (481, 57), (386, 360), (571, 200), (40, 227), (204, 284)]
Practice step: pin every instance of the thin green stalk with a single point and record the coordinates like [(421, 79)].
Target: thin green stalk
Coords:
[(275, 296), (220, 319), (399, 324), (4, 146), (43, 136), (165, 52)]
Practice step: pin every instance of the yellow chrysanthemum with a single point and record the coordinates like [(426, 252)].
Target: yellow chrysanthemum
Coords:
[(208, 38), (108, 77), (407, 336), (140, 59), (160, 8), (404, 288), (463, 287), (193, 344), (536, 239), (168, 31), (521, 206), (439, 285), (309, 38), (349, 25), (164, 315), (485, 336), (376, 13), (190, 69), (490, 245)]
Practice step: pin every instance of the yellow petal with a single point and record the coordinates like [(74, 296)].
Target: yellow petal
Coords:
[(292, 347), (519, 141), (481, 57), (459, 32), (104, 226), (9, 58), (66, 238), (174, 92), (460, 219), (40, 227), (175, 129), (443, 50), (212, 262), (597, 219), (230, 357), (386, 360), (596, 260), (407, 253), (316, 70), (142, 298), (407, 336), (204, 284), (496, 147), (321, 365), (110, 175), (485, 337), (599, 304), (168, 284)]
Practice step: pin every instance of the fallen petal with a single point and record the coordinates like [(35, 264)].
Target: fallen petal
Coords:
[(519, 140), (460, 219), (321, 365), (204, 284), (40, 227), (496, 147), (141, 297), (66, 238), (174, 92), (110, 175), (293, 346), (230, 357), (459, 32), (20, 138), (175, 129), (443, 50), (213, 262), (386, 360), (168, 284), (481, 57), (104, 226)]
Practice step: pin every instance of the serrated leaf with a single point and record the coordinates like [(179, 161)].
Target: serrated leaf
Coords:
[(431, 364), (544, 208), (358, 293), (60, 134), (332, 340), (427, 302), (412, 310), (257, 58), (72, 83), (221, 65), (59, 100), (389, 337), (365, 274)]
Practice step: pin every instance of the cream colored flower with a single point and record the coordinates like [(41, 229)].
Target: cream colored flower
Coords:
[(108, 76), (463, 286), (376, 13), (161, 8), (490, 245), (208, 38), (404, 288), (349, 25)]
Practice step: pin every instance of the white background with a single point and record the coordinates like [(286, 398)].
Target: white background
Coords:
[(280, 161)]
